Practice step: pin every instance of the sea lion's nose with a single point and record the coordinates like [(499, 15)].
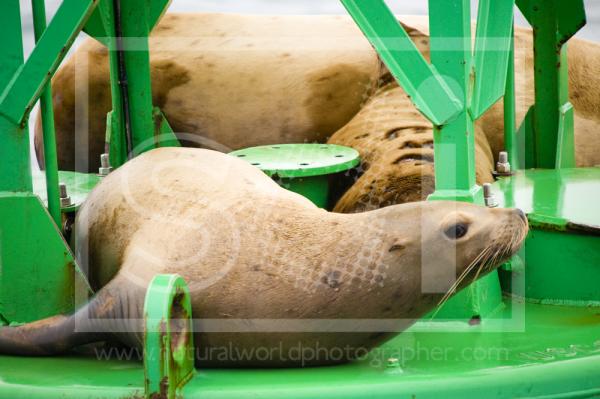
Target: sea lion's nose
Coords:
[(521, 214)]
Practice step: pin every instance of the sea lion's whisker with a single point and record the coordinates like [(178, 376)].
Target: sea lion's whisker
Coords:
[(459, 280)]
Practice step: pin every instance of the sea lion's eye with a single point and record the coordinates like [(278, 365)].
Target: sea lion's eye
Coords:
[(457, 231)]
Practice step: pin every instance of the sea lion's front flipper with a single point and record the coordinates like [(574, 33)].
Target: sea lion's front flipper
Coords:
[(115, 311)]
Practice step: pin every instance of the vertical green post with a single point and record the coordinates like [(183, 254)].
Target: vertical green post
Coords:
[(47, 112), (510, 139), (14, 162), (550, 93), (450, 30), (135, 30), (551, 144)]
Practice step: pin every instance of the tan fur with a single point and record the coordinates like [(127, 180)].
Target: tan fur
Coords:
[(199, 213), (236, 81), (266, 268)]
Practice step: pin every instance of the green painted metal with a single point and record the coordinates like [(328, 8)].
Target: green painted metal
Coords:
[(511, 140), (422, 83), (300, 160), (531, 350), (562, 251), (168, 339), (454, 143), (96, 26), (493, 44), (79, 185), (47, 113), (553, 22), (148, 126), (565, 151), (26, 86), (15, 166), (302, 168), (39, 277)]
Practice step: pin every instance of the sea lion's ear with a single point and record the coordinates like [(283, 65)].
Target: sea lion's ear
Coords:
[(413, 31)]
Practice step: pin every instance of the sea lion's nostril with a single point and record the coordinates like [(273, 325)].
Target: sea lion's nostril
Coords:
[(521, 215)]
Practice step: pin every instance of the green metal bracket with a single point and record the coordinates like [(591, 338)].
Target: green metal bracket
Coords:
[(553, 22), (38, 274), (421, 81), (168, 339)]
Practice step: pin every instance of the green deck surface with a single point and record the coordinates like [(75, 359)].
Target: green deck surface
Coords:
[(534, 351), (556, 196)]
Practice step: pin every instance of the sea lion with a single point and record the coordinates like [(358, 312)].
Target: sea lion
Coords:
[(219, 76), (264, 265), (231, 81), (235, 81)]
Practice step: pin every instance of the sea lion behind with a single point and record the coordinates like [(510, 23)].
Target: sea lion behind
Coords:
[(266, 268)]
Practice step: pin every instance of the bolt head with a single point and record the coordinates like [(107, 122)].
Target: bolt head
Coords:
[(393, 362)]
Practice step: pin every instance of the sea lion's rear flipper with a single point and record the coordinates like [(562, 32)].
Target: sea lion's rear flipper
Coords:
[(115, 311)]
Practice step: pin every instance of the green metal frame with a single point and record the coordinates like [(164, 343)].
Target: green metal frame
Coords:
[(40, 277), (478, 77)]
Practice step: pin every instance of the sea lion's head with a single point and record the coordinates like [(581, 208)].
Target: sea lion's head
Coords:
[(440, 247)]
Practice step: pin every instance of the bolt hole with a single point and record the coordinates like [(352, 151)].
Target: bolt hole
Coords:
[(256, 163), (304, 164), (276, 148), (241, 155), (339, 156)]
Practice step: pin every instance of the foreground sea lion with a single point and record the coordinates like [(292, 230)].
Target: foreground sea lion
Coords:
[(266, 268)]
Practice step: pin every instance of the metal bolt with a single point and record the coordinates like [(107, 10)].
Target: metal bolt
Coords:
[(105, 167), (488, 196), (393, 362), (503, 167), (65, 200)]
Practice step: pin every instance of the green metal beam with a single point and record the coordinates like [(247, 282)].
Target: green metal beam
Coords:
[(15, 166), (427, 89), (148, 126), (97, 28), (47, 113), (511, 141), (454, 143), (492, 52), (26, 86)]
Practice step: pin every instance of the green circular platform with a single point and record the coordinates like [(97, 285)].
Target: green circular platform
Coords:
[(300, 160), (302, 168)]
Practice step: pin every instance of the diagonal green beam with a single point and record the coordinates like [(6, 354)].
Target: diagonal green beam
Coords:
[(492, 53), (28, 82), (427, 89)]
